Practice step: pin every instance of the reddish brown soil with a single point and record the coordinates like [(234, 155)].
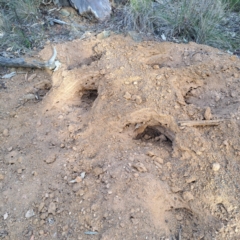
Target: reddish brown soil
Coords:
[(103, 151)]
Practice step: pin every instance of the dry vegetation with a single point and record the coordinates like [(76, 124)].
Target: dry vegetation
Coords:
[(22, 24)]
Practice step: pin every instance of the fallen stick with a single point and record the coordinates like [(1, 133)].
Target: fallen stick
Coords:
[(201, 123), (20, 62)]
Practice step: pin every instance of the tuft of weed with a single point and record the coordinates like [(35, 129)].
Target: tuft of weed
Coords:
[(186, 20), (16, 20), (138, 15)]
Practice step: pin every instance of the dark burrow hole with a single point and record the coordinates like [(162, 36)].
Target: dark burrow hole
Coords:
[(88, 98), (155, 134)]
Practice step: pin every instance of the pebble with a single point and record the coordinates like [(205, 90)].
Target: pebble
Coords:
[(41, 206), (140, 167), (158, 159), (216, 167), (156, 66), (83, 174), (104, 34), (78, 179), (52, 208), (208, 114), (127, 96), (1, 177), (19, 171), (51, 160), (187, 196), (64, 12), (29, 96), (5, 216), (41, 232), (5, 132), (30, 213), (179, 217), (176, 189), (10, 149)]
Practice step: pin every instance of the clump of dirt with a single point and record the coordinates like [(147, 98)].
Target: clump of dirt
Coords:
[(103, 153)]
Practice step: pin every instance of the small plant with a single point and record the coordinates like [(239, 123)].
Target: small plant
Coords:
[(139, 15), (187, 20), (17, 16)]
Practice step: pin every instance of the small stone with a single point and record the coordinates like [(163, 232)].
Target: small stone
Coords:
[(138, 100), (179, 217), (41, 206), (127, 96), (64, 12), (83, 174), (187, 196), (51, 159), (136, 175), (52, 208), (71, 128), (1, 177), (19, 171), (10, 149), (140, 167), (5, 133), (41, 232), (30, 213), (208, 114), (122, 225), (234, 94), (104, 34), (158, 159), (29, 96), (5, 216), (216, 167), (78, 179), (62, 145), (151, 154), (162, 138), (155, 66), (176, 189)]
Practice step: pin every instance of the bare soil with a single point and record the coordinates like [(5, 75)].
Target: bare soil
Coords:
[(96, 149)]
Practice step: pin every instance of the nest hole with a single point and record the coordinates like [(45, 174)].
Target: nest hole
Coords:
[(155, 134), (88, 98)]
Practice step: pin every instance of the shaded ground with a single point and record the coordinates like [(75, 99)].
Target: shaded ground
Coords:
[(103, 152)]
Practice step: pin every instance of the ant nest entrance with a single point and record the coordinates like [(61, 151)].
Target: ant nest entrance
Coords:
[(88, 97), (157, 135)]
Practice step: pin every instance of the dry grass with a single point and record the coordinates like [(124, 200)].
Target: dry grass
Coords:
[(16, 24), (186, 20)]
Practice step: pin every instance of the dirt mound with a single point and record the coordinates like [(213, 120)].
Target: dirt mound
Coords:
[(98, 149)]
